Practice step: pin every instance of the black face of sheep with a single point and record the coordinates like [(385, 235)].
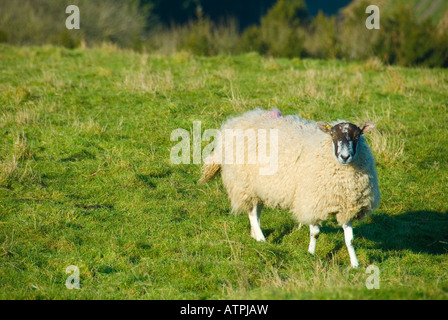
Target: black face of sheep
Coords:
[(345, 137)]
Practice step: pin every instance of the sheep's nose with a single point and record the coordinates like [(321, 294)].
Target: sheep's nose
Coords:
[(345, 158)]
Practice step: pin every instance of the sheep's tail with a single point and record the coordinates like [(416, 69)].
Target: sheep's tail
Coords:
[(210, 168)]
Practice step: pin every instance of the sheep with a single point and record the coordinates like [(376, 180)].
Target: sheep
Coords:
[(324, 171)]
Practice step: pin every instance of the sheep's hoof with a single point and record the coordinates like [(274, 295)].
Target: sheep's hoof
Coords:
[(259, 238), (257, 235)]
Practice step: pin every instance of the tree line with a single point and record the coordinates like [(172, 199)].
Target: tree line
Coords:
[(278, 28)]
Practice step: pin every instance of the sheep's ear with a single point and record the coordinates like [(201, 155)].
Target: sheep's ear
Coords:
[(325, 127), (366, 127)]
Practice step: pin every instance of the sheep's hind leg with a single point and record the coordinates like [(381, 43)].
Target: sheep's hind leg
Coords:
[(348, 235), (314, 234), (254, 218)]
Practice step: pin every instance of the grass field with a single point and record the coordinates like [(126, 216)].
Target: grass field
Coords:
[(86, 178)]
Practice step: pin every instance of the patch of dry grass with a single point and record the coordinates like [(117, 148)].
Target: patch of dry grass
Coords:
[(91, 126), (146, 81), (15, 164), (387, 145)]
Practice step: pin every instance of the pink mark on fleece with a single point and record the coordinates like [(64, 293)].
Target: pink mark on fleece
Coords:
[(275, 113)]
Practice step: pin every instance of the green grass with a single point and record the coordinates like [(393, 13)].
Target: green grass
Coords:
[(86, 178)]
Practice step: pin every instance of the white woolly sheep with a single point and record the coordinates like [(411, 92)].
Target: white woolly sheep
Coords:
[(323, 171)]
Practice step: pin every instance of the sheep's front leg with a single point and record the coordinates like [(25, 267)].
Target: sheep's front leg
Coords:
[(348, 235), (255, 228), (314, 234)]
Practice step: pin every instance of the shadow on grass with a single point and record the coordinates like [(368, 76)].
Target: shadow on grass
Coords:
[(285, 230), (418, 231), (151, 179)]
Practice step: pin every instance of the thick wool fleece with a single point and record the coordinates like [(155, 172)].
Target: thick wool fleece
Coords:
[(309, 182)]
